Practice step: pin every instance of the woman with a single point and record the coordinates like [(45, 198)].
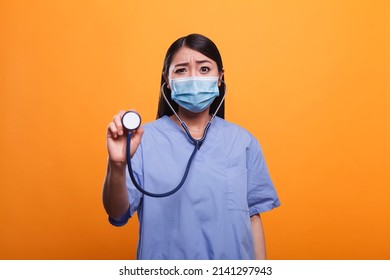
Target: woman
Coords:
[(216, 214)]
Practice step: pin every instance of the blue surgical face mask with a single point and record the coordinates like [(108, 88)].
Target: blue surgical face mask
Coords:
[(194, 93)]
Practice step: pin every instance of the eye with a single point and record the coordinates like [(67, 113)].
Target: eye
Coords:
[(204, 69), (180, 70)]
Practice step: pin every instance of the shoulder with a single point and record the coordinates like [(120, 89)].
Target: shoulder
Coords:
[(162, 123), (233, 130), (238, 136)]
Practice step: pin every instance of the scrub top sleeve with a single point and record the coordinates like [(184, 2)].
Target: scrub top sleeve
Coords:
[(262, 195), (121, 221)]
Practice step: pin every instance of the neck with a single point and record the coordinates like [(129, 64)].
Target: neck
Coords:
[(196, 122)]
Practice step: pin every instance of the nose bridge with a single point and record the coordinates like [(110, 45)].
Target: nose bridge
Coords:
[(193, 67), (192, 70)]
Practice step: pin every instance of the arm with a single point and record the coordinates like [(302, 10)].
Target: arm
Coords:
[(115, 197), (258, 237)]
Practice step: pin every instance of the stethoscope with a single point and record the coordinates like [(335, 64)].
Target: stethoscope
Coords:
[(131, 120)]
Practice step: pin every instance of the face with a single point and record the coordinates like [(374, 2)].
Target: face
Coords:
[(188, 62)]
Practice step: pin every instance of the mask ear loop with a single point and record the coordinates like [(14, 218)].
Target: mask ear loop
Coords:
[(199, 142)]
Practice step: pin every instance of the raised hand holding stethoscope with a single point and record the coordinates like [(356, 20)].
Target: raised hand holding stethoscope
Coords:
[(117, 135)]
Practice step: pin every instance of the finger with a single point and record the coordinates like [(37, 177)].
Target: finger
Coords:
[(117, 120), (136, 140), (138, 135), (112, 130), (121, 113)]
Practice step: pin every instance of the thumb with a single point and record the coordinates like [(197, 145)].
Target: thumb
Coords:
[(136, 139), (138, 135)]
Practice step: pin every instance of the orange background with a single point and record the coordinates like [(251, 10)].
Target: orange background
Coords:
[(310, 79)]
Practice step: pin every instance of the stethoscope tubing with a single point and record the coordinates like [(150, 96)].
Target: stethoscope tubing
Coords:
[(130, 170), (197, 144)]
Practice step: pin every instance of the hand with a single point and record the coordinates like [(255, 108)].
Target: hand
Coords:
[(117, 137)]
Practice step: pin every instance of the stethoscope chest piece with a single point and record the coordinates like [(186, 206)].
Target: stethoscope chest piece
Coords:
[(131, 120)]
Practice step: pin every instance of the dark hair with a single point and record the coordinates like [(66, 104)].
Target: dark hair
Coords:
[(206, 47)]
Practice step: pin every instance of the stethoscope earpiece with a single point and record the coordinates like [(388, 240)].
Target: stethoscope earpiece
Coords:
[(131, 120)]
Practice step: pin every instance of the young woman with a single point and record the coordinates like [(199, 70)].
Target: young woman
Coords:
[(216, 213)]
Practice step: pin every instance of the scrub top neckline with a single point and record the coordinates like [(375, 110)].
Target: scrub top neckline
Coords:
[(177, 126)]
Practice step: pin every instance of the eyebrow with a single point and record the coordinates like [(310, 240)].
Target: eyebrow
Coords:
[(197, 61)]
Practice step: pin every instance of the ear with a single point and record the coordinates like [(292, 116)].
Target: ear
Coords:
[(166, 79), (220, 77)]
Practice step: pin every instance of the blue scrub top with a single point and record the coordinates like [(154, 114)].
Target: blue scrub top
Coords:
[(209, 217)]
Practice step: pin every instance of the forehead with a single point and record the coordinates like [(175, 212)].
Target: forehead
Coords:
[(187, 55)]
